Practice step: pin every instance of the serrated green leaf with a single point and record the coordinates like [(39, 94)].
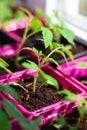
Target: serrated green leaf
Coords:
[(47, 36), (30, 65), (67, 34), (4, 121), (36, 25), (7, 89), (47, 79), (81, 65)]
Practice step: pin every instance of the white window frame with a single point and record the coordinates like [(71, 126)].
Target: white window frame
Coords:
[(69, 13)]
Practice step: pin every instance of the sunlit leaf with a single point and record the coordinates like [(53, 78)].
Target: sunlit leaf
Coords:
[(36, 24), (30, 65), (67, 34), (47, 36)]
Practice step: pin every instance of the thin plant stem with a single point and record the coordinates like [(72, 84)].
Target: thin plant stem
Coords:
[(53, 51), (36, 76), (35, 81), (79, 119)]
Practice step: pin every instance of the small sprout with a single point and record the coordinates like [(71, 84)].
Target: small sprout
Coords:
[(16, 84), (4, 65), (40, 75)]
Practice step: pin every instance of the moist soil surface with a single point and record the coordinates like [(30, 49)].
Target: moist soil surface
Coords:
[(43, 96)]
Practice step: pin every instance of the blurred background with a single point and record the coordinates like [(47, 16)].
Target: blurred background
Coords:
[(73, 13)]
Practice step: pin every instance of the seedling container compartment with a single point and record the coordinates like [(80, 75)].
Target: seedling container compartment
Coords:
[(47, 112)]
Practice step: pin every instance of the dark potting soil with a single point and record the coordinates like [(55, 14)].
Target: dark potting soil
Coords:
[(43, 96)]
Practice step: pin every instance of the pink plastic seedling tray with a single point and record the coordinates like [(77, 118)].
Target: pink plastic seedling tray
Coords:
[(71, 69), (51, 111), (47, 112)]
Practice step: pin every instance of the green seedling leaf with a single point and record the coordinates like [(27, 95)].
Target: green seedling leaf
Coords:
[(39, 13), (47, 36), (4, 65), (18, 85), (68, 95), (69, 53), (62, 53), (30, 65), (26, 11), (47, 79), (61, 122), (16, 114), (36, 25), (67, 34), (82, 102), (19, 15), (49, 22), (48, 59), (35, 124), (7, 89), (4, 121), (71, 128), (81, 65)]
